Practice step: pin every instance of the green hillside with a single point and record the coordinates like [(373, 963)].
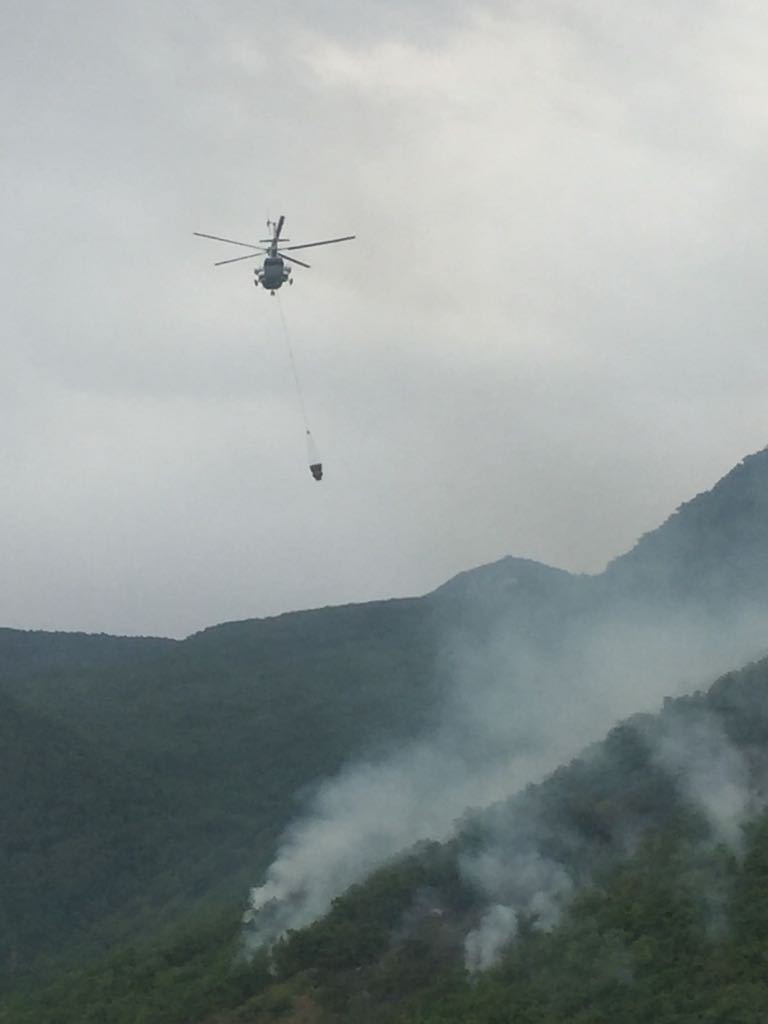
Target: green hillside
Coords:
[(185, 765), (711, 550), (219, 738), (23, 651), (90, 847), (664, 919), (145, 780)]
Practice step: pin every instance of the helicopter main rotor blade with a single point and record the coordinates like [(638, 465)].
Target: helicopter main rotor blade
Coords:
[(237, 259), (217, 238), (292, 259), (327, 241)]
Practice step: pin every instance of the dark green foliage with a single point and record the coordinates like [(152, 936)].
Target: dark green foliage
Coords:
[(673, 932), (201, 968), (194, 755), (358, 928), (25, 651), (135, 789), (638, 949)]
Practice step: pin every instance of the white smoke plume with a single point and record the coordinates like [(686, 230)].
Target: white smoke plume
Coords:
[(709, 772), (520, 881), (483, 945), (512, 713), (366, 815), (513, 876)]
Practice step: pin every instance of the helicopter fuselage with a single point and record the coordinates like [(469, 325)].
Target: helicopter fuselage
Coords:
[(273, 273)]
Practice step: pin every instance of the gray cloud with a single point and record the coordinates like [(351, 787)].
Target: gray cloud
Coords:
[(549, 332)]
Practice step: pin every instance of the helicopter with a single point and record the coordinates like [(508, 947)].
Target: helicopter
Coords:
[(273, 273)]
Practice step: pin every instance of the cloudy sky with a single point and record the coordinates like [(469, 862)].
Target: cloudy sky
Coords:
[(550, 331)]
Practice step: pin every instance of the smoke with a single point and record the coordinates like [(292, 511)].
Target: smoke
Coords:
[(710, 773), (516, 880), (483, 946), (516, 706), (520, 881), (365, 816)]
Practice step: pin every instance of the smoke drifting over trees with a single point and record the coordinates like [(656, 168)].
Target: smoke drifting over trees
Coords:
[(534, 665)]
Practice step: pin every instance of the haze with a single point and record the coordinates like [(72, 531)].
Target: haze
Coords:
[(549, 332)]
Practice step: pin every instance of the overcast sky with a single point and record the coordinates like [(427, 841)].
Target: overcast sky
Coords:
[(550, 331)]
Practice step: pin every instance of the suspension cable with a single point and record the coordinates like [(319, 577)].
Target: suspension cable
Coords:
[(294, 370), (313, 456)]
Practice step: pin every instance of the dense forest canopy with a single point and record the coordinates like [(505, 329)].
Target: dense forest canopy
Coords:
[(663, 917)]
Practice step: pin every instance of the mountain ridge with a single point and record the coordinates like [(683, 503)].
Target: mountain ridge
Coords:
[(745, 482), (234, 726)]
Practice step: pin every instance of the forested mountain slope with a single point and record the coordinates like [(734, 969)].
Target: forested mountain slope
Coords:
[(630, 885), (77, 831), (199, 752), (214, 738), (712, 550), (23, 651)]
